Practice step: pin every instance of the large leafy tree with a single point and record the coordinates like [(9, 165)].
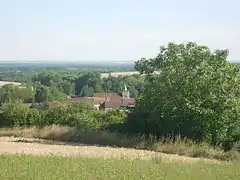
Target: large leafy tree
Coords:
[(196, 94)]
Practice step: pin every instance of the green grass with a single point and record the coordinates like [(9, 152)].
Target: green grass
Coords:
[(64, 168)]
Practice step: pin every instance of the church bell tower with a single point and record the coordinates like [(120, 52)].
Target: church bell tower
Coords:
[(125, 92)]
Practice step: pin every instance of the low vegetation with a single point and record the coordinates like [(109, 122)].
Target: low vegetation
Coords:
[(28, 167)]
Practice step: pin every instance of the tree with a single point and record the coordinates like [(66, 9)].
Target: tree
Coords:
[(87, 91), (196, 94), (43, 93), (57, 94), (68, 87)]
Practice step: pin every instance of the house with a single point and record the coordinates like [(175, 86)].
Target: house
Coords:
[(106, 101)]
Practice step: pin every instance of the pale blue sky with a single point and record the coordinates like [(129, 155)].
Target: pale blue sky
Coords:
[(113, 30)]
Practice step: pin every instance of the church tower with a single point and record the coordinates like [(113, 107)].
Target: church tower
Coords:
[(125, 92)]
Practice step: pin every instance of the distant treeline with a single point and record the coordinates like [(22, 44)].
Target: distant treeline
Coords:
[(57, 85), (71, 66)]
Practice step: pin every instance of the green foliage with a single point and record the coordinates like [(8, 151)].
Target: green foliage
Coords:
[(88, 91), (114, 116), (45, 93), (56, 85), (11, 92), (73, 115), (135, 84), (83, 121), (196, 94), (15, 113), (79, 107), (80, 115), (35, 117)]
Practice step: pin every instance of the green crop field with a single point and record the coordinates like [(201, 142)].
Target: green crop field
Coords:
[(75, 168)]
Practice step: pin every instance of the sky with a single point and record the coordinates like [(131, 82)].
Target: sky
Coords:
[(107, 30)]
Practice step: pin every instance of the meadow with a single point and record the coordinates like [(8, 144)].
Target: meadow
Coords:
[(64, 168)]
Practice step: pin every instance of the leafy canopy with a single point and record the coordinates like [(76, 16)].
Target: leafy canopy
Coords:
[(196, 93)]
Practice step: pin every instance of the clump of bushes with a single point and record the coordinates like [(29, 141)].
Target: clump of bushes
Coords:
[(79, 115)]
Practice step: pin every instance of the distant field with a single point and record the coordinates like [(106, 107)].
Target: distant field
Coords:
[(75, 168), (116, 74), (3, 83), (32, 66)]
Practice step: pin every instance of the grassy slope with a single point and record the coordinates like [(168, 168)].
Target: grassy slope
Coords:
[(63, 168)]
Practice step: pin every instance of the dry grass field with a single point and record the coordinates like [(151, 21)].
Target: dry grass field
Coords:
[(54, 134), (40, 147)]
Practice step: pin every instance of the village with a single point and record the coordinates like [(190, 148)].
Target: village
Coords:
[(101, 101), (107, 101)]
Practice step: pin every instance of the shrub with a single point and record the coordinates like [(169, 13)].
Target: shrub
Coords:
[(82, 121), (15, 113), (35, 118), (56, 115)]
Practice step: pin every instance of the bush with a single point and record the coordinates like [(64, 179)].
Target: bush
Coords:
[(56, 115), (15, 113), (82, 121), (36, 118), (79, 107)]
